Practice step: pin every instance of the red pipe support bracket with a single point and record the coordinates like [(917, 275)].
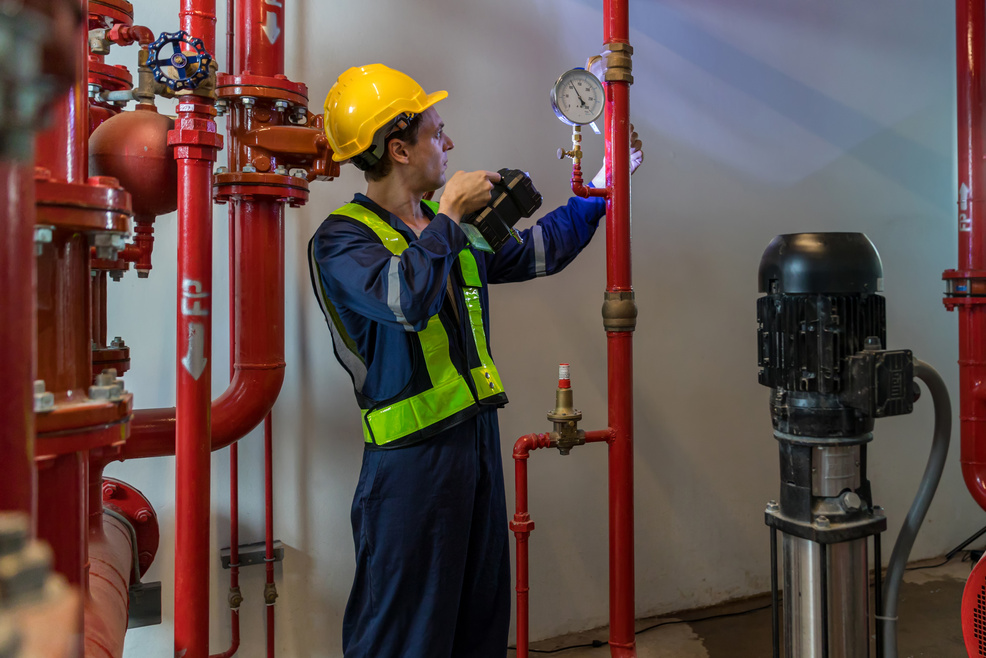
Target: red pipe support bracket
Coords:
[(965, 287)]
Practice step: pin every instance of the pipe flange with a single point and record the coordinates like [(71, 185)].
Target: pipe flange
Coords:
[(119, 11), (109, 77), (237, 185), (131, 504), (271, 89), (99, 205), (619, 311)]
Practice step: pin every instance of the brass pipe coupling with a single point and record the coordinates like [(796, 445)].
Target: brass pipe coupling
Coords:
[(565, 416), (619, 311), (614, 64)]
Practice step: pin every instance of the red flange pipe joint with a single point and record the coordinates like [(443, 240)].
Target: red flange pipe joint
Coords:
[(109, 21), (966, 286), (76, 416)]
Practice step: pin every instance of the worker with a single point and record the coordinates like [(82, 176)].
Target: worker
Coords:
[(404, 293)]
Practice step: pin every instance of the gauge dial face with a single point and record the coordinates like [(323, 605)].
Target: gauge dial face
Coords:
[(577, 97)]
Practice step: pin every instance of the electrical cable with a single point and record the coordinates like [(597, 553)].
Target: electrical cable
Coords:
[(887, 618), (669, 622)]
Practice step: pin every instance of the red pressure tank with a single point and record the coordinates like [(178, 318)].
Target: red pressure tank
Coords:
[(133, 148)]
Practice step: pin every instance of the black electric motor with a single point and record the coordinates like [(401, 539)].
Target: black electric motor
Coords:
[(821, 332)]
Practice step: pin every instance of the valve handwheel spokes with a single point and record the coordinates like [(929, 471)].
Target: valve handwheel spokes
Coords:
[(190, 68)]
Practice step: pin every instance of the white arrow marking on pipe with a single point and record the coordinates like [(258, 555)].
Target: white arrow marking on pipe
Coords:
[(964, 197), (270, 28), (194, 361)]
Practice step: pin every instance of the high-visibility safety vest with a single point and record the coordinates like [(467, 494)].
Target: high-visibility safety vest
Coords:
[(452, 393)]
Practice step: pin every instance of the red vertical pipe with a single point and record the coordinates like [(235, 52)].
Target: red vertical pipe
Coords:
[(269, 527), (62, 491), (619, 345), (260, 37), (194, 399), (17, 337), (522, 537), (970, 59), (194, 379), (64, 324)]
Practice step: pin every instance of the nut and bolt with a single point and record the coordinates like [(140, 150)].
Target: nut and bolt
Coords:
[(221, 170), (282, 170), (108, 245), (221, 107), (43, 400), (822, 522), (42, 236), (281, 106), (143, 515), (299, 114), (772, 506), (116, 275), (94, 90), (248, 101), (118, 343), (249, 169), (851, 502), (107, 386), (110, 490), (298, 173)]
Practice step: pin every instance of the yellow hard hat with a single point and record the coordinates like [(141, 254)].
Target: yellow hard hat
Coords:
[(366, 99)]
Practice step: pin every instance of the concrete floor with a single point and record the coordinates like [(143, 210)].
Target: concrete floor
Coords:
[(929, 624)]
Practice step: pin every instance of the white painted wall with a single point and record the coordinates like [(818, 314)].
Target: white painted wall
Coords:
[(759, 118)]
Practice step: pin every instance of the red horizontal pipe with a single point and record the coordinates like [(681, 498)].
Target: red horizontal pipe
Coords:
[(17, 338)]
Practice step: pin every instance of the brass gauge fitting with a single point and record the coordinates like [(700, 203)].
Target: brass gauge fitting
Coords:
[(565, 416)]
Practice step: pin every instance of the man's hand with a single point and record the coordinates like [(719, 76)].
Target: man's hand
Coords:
[(636, 157), (466, 192)]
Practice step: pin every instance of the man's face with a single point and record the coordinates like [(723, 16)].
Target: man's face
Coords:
[(427, 157)]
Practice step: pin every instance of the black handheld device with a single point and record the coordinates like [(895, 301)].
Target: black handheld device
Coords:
[(512, 198)]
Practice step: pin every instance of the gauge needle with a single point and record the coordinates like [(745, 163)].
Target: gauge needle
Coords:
[(575, 89)]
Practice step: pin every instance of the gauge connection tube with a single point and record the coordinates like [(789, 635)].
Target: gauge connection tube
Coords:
[(821, 329)]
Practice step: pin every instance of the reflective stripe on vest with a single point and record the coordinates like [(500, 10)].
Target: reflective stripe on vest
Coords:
[(449, 393)]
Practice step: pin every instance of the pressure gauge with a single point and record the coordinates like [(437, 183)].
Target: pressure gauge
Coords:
[(577, 97)]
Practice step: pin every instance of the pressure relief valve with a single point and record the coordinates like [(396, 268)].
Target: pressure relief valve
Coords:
[(565, 416)]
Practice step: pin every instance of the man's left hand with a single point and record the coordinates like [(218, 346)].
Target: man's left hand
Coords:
[(636, 157)]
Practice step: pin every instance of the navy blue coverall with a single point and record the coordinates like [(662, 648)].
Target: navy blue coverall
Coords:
[(429, 520)]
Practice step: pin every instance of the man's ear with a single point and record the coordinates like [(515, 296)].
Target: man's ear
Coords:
[(398, 151)]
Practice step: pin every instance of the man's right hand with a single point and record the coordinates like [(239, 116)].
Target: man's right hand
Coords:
[(466, 192)]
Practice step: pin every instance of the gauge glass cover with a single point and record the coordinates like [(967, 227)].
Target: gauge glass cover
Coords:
[(577, 97)]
